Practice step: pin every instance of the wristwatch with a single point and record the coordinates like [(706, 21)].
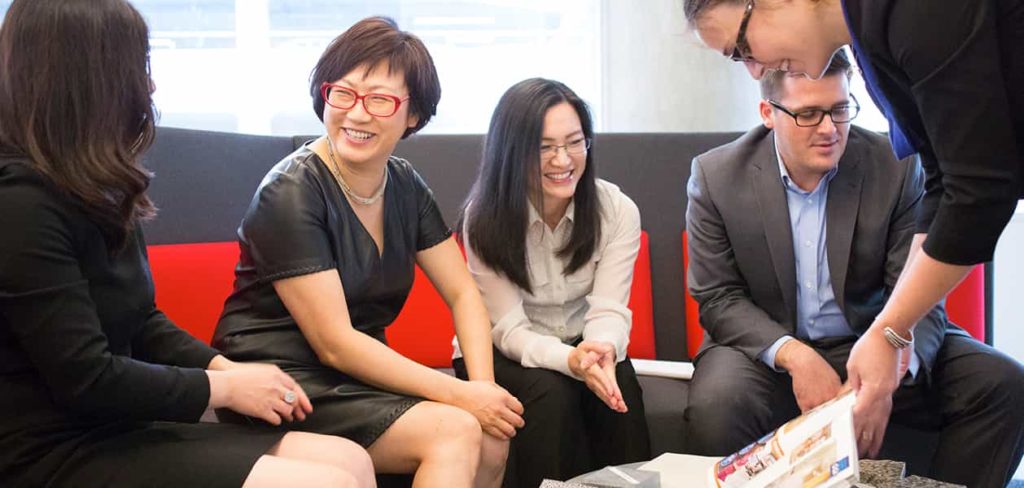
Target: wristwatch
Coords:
[(895, 340)]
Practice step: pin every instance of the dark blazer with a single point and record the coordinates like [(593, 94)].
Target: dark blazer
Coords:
[(953, 73), (742, 271)]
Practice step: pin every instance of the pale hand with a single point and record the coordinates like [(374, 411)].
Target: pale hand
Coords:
[(873, 369), (814, 380), (498, 412), (595, 362), (258, 390)]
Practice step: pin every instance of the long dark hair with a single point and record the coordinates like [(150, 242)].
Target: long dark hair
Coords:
[(496, 212), (75, 100)]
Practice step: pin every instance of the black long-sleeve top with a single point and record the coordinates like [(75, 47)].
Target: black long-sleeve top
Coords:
[(82, 345), (952, 72)]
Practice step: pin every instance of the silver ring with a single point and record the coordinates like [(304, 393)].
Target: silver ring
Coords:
[(289, 397)]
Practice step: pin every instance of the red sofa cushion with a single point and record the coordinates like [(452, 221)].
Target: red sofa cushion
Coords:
[(965, 306), (193, 280)]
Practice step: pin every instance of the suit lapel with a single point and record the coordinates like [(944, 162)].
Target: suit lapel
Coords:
[(841, 219), (771, 199)]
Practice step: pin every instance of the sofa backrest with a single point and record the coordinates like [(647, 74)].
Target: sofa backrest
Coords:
[(205, 180)]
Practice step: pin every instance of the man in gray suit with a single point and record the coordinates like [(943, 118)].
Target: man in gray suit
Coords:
[(797, 233)]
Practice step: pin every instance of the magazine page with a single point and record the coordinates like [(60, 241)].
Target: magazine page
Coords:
[(817, 449)]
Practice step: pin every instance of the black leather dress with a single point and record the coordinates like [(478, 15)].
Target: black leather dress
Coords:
[(299, 222)]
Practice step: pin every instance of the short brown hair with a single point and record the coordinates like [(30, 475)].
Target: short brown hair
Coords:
[(370, 42), (771, 82), (75, 101)]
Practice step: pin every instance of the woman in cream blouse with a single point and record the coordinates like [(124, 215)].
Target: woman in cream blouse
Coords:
[(552, 249)]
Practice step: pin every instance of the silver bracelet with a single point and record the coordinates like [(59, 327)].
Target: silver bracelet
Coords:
[(895, 340)]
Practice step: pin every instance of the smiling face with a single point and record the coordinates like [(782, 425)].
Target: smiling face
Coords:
[(560, 173), (809, 152), (786, 35), (359, 138)]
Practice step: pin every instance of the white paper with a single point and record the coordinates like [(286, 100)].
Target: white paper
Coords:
[(666, 369)]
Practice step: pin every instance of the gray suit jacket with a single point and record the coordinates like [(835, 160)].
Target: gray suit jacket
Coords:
[(742, 271)]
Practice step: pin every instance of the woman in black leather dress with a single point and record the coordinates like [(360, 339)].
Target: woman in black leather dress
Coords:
[(97, 386), (329, 245)]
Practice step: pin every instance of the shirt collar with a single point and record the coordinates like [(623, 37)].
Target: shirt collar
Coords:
[(788, 182), (535, 223)]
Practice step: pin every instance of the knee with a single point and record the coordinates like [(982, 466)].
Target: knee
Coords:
[(334, 476), (1006, 384), (493, 453), (459, 430), (354, 460), (717, 408)]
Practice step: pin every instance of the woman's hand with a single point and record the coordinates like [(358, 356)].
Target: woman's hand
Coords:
[(258, 390), (594, 362), (498, 412), (873, 368)]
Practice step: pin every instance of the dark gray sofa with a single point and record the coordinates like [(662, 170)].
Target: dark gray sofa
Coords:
[(204, 181)]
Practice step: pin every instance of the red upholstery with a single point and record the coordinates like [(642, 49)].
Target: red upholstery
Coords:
[(966, 303), (192, 281), (641, 302), (965, 306), (694, 331)]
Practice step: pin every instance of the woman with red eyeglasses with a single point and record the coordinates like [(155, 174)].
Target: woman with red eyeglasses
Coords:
[(949, 75), (328, 248)]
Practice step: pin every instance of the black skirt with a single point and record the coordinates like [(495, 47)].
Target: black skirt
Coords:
[(153, 454)]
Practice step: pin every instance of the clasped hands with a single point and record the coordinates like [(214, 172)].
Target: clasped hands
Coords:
[(594, 362)]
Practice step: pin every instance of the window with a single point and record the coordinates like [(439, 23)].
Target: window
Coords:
[(243, 66)]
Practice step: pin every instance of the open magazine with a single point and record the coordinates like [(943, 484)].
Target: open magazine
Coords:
[(816, 449)]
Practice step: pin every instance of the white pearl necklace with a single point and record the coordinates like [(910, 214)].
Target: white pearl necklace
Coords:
[(344, 186)]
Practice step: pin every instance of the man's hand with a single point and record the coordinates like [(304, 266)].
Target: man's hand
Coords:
[(873, 369), (814, 380)]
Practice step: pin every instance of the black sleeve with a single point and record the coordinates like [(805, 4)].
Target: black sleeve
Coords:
[(47, 306), (432, 228), (285, 227), (160, 341), (953, 65)]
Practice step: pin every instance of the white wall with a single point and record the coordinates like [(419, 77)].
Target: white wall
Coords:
[(1007, 314), (658, 78)]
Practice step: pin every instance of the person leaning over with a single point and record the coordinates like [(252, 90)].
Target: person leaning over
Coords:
[(949, 76), (797, 234)]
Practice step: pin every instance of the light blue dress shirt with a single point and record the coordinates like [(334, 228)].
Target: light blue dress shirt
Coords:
[(818, 315)]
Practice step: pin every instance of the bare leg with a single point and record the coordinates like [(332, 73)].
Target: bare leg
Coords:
[(493, 454), (273, 471), (439, 443), (304, 459)]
